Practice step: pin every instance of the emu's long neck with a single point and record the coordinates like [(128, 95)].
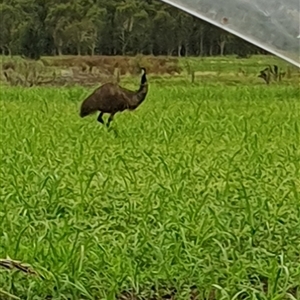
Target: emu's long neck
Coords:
[(140, 95), (143, 90)]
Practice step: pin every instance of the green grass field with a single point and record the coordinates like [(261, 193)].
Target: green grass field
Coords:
[(198, 187)]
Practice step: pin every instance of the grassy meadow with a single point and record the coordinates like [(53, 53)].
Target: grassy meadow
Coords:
[(195, 195)]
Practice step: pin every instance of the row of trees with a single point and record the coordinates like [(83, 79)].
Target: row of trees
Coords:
[(109, 27)]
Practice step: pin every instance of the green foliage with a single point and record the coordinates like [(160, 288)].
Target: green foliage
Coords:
[(30, 42), (111, 27), (199, 186), (13, 17)]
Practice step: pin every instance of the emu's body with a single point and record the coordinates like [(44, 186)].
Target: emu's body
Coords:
[(112, 98)]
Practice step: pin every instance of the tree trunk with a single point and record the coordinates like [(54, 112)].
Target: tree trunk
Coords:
[(123, 43), (59, 50), (222, 47), (211, 48), (93, 49), (78, 49), (179, 50), (59, 47), (186, 49), (201, 46), (151, 49), (9, 51)]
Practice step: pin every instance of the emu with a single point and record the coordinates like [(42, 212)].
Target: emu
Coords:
[(266, 74), (112, 98)]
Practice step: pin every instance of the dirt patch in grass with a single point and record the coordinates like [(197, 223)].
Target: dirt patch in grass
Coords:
[(125, 64), (95, 70), (83, 70)]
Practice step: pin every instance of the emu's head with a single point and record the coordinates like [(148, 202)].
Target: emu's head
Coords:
[(144, 78)]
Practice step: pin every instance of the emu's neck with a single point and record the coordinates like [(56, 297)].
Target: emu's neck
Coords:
[(140, 94), (138, 97), (143, 90)]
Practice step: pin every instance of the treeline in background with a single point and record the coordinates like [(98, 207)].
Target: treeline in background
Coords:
[(33, 28)]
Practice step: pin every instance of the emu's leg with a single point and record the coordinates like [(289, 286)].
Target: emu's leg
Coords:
[(99, 119), (111, 117)]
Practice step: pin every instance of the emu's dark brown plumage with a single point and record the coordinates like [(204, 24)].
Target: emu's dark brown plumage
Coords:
[(112, 98)]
